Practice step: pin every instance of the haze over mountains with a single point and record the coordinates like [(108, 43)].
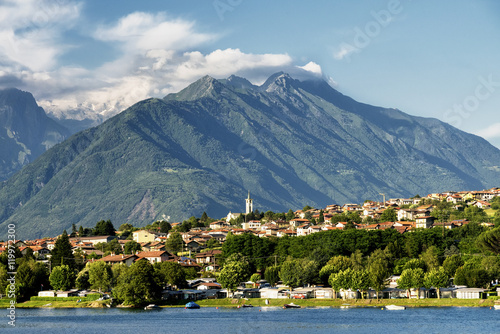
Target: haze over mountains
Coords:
[(289, 142)]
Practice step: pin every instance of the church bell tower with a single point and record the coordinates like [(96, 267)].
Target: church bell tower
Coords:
[(249, 206)]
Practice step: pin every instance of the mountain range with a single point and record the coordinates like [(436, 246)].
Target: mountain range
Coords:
[(288, 142), (25, 131)]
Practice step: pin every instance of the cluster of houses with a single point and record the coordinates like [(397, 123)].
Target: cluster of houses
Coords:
[(410, 215), (195, 240), (208, 288)]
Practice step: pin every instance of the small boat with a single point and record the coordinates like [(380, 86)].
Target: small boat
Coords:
[(395, 307), (496, 306), (192, 305), (152, 307), (247, 305), (291, 305)]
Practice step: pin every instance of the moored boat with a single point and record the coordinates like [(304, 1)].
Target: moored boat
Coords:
[(192, 305), (152, 307), (395, 307), (496, 306), (291, 305)]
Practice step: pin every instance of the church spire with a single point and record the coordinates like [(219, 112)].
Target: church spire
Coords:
[(249, 204)]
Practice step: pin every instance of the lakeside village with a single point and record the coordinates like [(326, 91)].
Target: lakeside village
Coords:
[(444, 245)]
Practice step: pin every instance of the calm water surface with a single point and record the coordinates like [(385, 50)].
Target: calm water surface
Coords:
[(256, 320)]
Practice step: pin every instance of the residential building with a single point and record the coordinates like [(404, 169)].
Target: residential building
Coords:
[(424, 222), (121, 258), (144, 236), (155, 256)]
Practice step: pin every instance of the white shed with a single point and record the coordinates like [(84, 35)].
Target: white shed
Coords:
[(469, 293), (47, 293)]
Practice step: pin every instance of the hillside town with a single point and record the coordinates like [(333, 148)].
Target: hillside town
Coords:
[(199, 250)]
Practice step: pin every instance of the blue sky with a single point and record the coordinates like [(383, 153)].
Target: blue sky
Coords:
[(428, 58)]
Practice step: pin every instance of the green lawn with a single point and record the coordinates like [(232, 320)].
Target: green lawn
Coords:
[(227, 302)]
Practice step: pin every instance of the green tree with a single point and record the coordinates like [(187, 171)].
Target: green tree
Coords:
[(475, 214), (100, 276), (378, 272), (431, 258), (131, 247), (411, 279), (288, 273), (321, 218), (232, 275), (171, 273), (3, 277), (62, 277), (272, 275), (62, 253), (74, 231), (165, 226), (297, 272), (174, 242), (360, 280), (472, 277), (451, 264), (103, 227), (290, 215), (357, 261), (255, 278), (489, 241), (334, 265), (137, 284), (340, 281), (82, 279), (117, 270), (389, 215), (125, 227), (492, 265), (414, 264), (213, 243), (437, 278), (30, 277), (190, 273)]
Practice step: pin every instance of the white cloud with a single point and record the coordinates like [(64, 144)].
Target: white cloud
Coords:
[(492, 131), (30, 31), (140, 32), (345, 50), (157, 57), (222, 63), (157, 73), (312, 67)]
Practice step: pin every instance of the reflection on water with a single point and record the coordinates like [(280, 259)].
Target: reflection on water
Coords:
[(257, 320)]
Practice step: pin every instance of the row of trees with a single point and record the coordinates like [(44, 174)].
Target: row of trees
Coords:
[(356, 259)]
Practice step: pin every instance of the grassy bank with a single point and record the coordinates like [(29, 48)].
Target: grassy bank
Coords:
[(4, 303), (445, 302)]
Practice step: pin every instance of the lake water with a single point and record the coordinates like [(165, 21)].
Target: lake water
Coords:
[(255, 320)]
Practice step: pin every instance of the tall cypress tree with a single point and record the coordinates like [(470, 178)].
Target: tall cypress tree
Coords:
[(62, 254)]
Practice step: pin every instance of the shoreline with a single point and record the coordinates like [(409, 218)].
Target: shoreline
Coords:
[(260, 302)]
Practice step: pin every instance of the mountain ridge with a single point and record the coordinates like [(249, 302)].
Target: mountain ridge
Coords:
[(25, 131), (203, 148)]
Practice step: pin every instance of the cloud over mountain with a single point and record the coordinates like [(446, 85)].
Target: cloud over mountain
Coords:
[(153, 54)]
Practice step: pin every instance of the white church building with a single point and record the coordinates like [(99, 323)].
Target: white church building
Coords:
[(248, 209)]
